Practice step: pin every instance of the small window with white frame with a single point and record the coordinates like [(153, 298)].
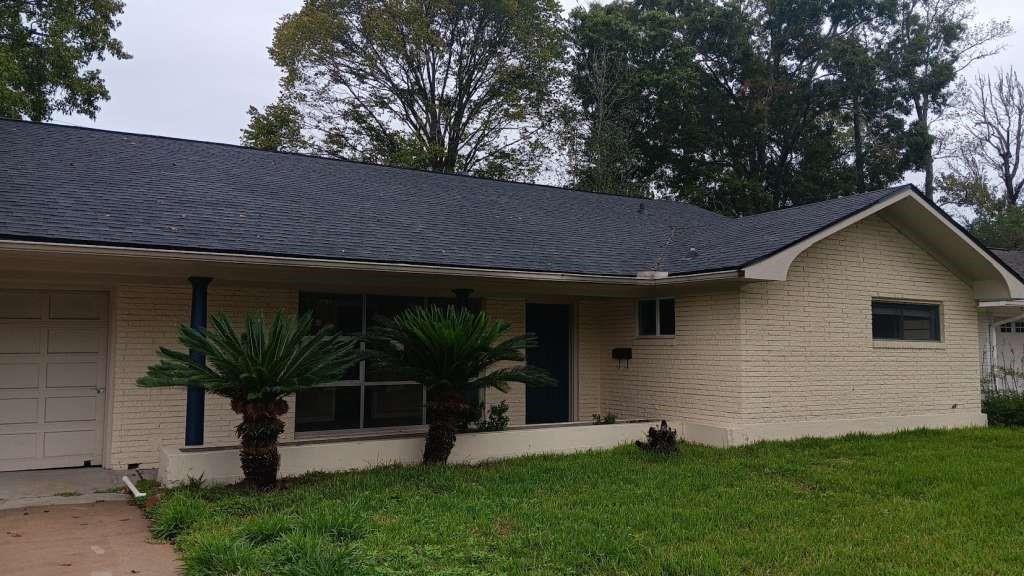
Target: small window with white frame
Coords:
[(656, 317)]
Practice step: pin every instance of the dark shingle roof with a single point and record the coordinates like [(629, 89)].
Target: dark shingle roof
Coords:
[(1013, 258), (86, 186)]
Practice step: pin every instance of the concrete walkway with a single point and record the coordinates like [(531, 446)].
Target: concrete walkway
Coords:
[(98, 539), (59, 486)]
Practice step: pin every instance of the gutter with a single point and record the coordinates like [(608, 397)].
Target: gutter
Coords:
[(646, 278)]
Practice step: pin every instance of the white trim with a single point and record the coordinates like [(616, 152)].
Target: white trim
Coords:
[(354, 265)]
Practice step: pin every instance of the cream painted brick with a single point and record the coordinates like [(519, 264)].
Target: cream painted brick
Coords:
[(808, 350), (692, 376), (146, 317), (513, 311)]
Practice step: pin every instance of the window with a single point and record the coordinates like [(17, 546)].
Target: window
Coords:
[(1007, 327), (656, 317), (903, 321), (367, 396)]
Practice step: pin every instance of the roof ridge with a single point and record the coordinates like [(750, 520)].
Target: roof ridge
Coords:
[(358, 162)]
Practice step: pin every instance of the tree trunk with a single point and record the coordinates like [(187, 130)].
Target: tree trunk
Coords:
[(858, 144), (260, 428), (445, 415)]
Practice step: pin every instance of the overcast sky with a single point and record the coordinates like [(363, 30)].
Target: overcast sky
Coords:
[(199, 64)]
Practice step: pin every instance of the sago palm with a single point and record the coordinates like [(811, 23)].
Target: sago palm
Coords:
[(256, 369), (451, 350)]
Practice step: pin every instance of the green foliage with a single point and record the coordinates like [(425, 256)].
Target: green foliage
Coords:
[(743, 107), (737, 107), (278, 127), (1004, 230), (451, 349), (923, 502), (496, 420), (1004, 407), (444, 85), (608, 418), (45, 48), (263, 364), (176, 514)]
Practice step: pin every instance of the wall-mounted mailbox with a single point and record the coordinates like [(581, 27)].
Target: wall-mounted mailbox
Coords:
[(622, 355)]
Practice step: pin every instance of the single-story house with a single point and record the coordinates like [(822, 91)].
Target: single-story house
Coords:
[(861, 313)]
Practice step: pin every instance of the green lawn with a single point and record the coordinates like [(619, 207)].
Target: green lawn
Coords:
[(925, 502)]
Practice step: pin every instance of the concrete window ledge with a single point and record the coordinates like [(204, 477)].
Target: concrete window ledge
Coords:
[(220, 464)]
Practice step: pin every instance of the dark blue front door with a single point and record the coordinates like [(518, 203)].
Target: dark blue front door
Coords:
[(551, 324)]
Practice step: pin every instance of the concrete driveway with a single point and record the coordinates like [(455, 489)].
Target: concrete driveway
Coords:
[(96, 539)]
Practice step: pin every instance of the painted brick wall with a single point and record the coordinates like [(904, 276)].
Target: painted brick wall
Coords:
[(693, 375), (513, 311), (145, 318), (808, 346)]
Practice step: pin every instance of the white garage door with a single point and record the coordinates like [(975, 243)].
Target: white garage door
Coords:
[(53, 350)]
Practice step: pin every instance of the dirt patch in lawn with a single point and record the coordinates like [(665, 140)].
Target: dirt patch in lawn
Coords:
[(100, 539)]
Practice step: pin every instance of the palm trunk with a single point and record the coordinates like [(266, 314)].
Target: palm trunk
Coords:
[(260, 428), (445, 415)]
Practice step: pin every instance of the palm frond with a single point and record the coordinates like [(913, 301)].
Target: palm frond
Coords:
[(267, 361), (449, 349)]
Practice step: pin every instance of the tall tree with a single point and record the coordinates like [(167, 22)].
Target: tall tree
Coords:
[(45, 50), (985, 176), (936, 40), (445, 85), (628, 78), (746, 106)]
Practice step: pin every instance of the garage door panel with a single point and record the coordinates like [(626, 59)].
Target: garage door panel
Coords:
[(52, 374), (20, 375), (19, 304), (73, 374), (15, 446), (19, 411), (20, 338), (69, 443), (70, 408), (74, 340), (77, 306)]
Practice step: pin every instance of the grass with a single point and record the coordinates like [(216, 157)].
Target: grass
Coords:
[(67, 494), (923, 502)]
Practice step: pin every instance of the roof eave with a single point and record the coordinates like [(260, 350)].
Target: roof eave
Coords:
[(200, 256)]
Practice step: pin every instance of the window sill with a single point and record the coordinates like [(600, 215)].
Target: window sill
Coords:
[(909, 344), (359, 433), (654, 336)]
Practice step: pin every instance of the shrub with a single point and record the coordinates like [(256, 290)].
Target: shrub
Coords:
[(1004, 407), (661, 440), (608, 418), (497, 418)]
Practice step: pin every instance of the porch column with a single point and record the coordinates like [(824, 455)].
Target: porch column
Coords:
[(195, 402)]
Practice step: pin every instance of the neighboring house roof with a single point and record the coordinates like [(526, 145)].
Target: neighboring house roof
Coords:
[(85, 186), (1012, 258)]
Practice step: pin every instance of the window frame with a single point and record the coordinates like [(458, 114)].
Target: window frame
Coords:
[(657, 317), (936, 327), (361, 381)]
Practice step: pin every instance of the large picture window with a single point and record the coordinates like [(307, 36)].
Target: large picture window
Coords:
[(905, 321), (367, 396)]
